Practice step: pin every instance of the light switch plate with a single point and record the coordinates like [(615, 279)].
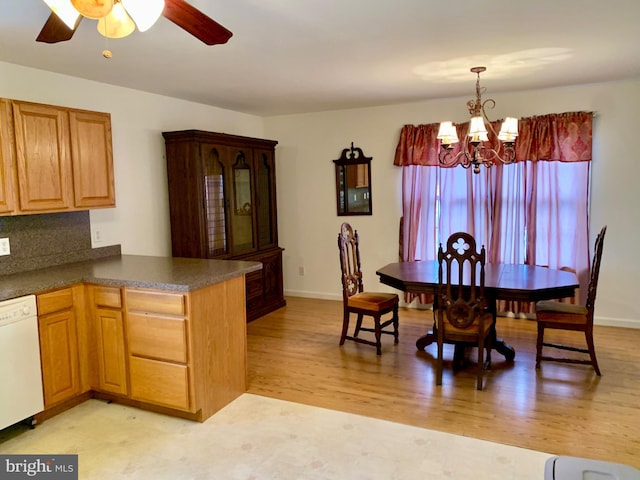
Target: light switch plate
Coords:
[(5, 248)]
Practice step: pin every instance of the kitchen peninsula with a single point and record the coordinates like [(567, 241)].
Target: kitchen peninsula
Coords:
[(160, 333)]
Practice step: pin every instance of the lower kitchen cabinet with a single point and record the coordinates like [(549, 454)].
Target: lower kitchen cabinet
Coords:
[(187, 351), (182, 353), (108, 320), (58, 346), (158, 347)]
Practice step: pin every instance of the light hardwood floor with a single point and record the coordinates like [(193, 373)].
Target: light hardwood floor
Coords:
[(293, 354)]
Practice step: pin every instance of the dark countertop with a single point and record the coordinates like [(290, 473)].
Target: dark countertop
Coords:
[(164, 273)]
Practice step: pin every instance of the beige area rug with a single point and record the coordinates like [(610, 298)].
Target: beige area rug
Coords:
[(262, 438)]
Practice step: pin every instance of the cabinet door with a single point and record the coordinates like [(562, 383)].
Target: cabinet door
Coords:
[(242, 203), (111, 354), (266, 199), (272, 277), (92, 159), (42, 157), (215, 176), (7, 179), (59, 356)]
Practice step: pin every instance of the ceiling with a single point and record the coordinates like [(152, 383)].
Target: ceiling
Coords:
[(295, 56)]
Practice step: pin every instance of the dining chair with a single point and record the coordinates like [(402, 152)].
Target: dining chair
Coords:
[(460, 309), (564, 316), (356, 301)]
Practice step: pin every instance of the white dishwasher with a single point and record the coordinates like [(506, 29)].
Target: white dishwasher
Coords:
[(20, 370)]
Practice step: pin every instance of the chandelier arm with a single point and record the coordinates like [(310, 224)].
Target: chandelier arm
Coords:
[(490, 154), (448, 160), (491, 104)]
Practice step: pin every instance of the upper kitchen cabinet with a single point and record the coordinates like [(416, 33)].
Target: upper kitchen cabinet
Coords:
[(7, 162), (222, 203), (63, 159), (43, 159), (92, 159)]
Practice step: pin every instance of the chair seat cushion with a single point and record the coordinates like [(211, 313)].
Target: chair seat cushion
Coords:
[(548, 306), (373, 301)]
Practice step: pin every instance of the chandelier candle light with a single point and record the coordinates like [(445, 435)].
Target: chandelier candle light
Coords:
[(473, 151)]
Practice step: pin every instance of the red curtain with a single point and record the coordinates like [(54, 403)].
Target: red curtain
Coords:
[(546, 205)]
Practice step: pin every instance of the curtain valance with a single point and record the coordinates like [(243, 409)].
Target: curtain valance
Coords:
[(563, 137)]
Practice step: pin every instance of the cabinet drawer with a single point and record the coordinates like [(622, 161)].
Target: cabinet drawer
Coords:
[(55, 301), (107, 297), (159, 383), (157, 337), (254, 284), (155, 302)]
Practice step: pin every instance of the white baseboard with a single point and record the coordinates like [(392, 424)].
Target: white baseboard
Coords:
[(319, 295), (604, 321), (616, 322)]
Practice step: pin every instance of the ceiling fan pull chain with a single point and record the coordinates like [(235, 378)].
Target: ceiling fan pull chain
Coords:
[(106, 53)]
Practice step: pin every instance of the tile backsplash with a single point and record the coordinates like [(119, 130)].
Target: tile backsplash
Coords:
[(46, 240)]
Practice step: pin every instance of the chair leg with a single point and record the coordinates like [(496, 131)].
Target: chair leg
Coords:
[(439, 362), (395, 324), (539, 341), (358, 325), (345, 327), (378, 333), (480, 363), (592, 351)]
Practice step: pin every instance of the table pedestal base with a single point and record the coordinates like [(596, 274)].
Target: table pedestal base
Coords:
[(499, 345)]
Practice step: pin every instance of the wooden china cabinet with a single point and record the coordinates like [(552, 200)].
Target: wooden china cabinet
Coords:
[(222, 204)]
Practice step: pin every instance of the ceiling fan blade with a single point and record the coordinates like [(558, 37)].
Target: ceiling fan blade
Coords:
[(195, 22), (55, 30)]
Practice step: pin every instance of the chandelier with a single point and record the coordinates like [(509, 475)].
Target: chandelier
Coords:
[(473, 151), (116, 18)]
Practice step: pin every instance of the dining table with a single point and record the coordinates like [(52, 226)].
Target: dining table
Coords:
[(503, 281)]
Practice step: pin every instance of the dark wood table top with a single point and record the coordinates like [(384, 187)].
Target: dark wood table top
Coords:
[(502, 281)]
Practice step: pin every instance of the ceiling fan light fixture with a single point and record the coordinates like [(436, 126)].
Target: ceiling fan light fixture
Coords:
[(117, 24), (144, 12), (94, 9), (65, 11)]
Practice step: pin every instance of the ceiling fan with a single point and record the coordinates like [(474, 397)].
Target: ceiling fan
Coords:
[(179, 12)]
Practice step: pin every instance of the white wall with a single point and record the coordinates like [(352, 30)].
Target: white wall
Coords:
[(308, 224), (140, 221)]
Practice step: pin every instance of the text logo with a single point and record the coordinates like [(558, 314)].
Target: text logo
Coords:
[(50, 467)]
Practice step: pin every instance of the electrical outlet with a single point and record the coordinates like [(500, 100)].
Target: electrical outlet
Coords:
[(5, 248), (97, 236), (301, 271)]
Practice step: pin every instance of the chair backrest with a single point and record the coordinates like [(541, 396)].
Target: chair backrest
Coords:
[(461, 280), (349, 246), (595, 271)]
